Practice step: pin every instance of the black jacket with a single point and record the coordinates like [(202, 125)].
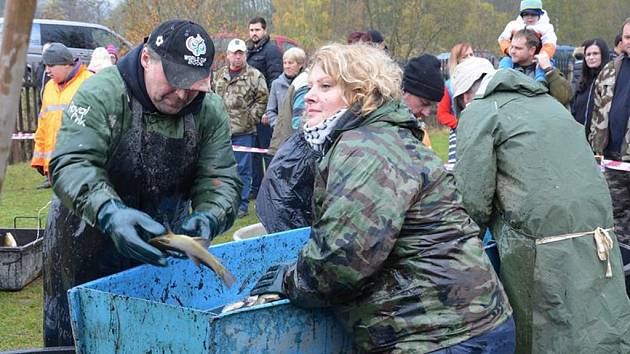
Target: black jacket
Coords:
[(582, 105), (266, 57), (284, 199)]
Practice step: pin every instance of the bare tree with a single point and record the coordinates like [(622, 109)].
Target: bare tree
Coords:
[(75, 10)]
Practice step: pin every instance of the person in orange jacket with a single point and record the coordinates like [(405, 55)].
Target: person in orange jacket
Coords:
[(66, 75)]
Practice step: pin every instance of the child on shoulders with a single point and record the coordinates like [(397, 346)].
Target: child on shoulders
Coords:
[(533, 17)]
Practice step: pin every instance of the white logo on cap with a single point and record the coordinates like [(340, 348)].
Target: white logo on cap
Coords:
[(197, 46), (159, 40)]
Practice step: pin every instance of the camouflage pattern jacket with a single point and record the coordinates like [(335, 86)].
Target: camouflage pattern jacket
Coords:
[(392, 250), (245, 97), (604, 91)]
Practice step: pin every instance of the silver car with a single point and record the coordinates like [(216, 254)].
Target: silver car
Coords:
[(80, 37)]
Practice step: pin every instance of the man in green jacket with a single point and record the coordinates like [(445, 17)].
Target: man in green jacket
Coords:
[(141, 144), (526, 172)]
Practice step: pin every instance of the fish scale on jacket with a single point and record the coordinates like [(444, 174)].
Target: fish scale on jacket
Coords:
[(392, 249)]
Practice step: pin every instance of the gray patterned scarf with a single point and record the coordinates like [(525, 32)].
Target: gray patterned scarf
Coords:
[(317, 135)]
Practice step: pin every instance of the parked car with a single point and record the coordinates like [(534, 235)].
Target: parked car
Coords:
[(80, 37)]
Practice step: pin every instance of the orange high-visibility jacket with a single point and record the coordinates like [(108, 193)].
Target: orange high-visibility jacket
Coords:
[(54, 101)]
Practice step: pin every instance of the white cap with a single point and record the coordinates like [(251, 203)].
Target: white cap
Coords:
[(236, 45), (467, 72)]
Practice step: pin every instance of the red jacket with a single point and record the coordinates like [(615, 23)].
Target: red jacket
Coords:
[(444, 113)]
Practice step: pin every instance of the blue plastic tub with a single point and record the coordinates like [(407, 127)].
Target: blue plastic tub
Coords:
[(170, 310)]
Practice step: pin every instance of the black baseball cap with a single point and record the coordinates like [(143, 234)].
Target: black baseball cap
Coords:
[(186, 51)]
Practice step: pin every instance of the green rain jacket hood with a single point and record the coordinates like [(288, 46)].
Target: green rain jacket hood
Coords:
[(394, 113), (510, 80), (526, 171)]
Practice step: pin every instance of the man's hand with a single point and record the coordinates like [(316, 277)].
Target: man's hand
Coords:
[(264, 119), (201, 224), (543, 61), (130, 229)]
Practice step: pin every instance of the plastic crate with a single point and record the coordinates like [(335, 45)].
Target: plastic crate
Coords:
[(174, 309), (20, 265)]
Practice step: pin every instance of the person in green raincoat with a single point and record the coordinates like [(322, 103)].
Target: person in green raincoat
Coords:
[(526, 172)]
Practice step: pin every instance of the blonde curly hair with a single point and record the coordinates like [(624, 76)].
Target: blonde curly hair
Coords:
[(368, 76)]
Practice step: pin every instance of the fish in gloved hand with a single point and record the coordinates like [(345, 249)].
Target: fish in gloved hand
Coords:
[(195, 248), (9, 240)]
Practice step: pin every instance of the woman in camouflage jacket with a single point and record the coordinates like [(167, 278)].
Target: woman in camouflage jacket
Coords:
[(392, 251)]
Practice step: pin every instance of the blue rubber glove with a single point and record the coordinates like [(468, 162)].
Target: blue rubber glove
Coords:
[(201, 224), (130, 229), (272, 281)]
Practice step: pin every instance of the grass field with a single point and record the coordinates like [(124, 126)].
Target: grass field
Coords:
[(21, 311)]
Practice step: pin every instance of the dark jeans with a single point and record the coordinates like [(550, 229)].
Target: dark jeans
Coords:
[(501, 340), (263, 138), (244, 162)]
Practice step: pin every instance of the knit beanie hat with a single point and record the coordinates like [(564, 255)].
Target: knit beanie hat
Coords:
[(111, 49), (423, 78), (100, 60), (376, 36), (532, 6), (57, 54)]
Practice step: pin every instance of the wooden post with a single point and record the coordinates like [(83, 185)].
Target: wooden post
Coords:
[(18, 19)]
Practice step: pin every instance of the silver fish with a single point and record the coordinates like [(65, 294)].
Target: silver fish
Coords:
[(251, 301), (195, 248)]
